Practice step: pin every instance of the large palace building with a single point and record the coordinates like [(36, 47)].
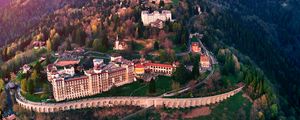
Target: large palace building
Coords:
[(149, 18), (70, 82)]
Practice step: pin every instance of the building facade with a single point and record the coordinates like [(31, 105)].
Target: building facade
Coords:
[(205, 61), (39, 44), (157, 68), (100, 78), (195, 47), (158, 1), (148, 18), (120, 45), (164, 69), (157, 24)]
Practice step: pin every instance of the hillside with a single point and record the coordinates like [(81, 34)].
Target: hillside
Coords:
[(3, 3), (20, 16), (268, 33), (262, 35)]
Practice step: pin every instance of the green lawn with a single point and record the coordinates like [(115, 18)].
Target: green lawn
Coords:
[(34, 98), (125, 90), (163, 84), (179, 48), (236, 107), (138, 46)]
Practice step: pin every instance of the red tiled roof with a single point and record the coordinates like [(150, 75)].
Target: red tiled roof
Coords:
[(39, 43), (204, 58), (159, 65), (49, 67), (66, 63), (139, 66), (195, 44)]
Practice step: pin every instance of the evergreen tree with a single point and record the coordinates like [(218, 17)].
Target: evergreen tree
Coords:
[(55, 41), (229, 66), (46, 90), (184, 36), (36, 74), (140, 29), (30, 86), (47, 61), (3, 102), (49, 45), (35, 77), (181, 75), (195, 70), (80, 37), (24, 85), (161, 3), (38, 67), (1, 84), (68, 45), (156, 45), (152, 86), (96, 44), (132, 45), (99, 45), (168, 26)]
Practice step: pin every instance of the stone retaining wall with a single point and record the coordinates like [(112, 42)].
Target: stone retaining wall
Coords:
[(125, 101)]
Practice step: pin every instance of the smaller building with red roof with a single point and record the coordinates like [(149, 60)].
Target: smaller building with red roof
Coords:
[(205, 61), (195, 47)]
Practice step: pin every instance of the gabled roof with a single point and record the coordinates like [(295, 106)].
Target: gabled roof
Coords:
[(195, 43), (63, 63), (159, 65), (139, 65), (204, 58)]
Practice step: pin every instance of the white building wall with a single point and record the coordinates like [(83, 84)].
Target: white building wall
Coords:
[(148, 18)]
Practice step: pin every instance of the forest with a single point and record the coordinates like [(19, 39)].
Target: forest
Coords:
[(262, 34), (268, 36)]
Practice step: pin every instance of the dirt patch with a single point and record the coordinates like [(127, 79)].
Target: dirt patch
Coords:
[(197, 112)]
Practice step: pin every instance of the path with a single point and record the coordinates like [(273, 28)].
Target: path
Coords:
[(137, 90)]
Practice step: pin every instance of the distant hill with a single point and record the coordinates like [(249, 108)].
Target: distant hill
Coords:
[(4, 2), (18, 17)]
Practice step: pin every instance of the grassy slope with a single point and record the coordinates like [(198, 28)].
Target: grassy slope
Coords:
[(163, 84), (236, 107)]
